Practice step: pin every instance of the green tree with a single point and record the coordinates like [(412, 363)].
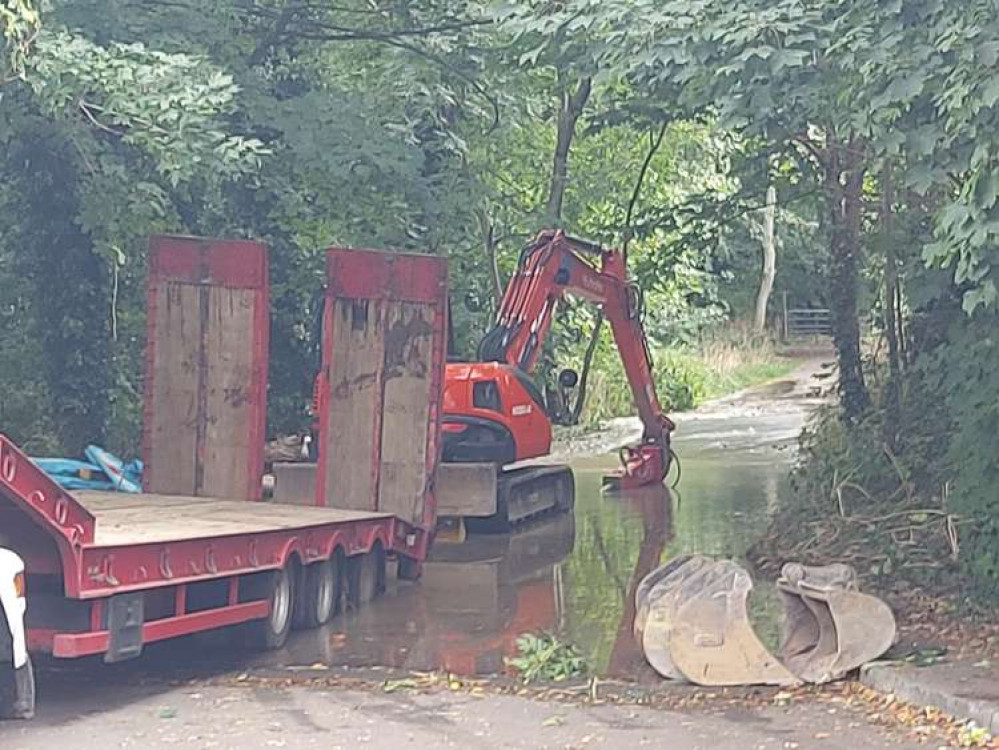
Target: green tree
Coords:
[(97, 138)]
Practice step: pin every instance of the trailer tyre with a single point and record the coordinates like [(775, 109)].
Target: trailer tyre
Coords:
[(409, 569), (17, 692), (272, 631), (320, 594), (367, 579)]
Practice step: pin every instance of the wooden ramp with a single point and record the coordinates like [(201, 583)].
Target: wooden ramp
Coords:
[(381, 382), (206, 369)]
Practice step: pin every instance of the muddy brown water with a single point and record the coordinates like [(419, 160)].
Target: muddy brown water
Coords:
[(573, 575)]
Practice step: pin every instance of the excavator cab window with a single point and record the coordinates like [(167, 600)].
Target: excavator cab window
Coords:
[(486, 395)]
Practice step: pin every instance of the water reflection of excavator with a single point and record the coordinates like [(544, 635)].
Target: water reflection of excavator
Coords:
[(484, 595), (474, 601), (494, 415), (487, 594), (654, 506)]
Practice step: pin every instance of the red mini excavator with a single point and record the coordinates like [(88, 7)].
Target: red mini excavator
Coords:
[(495, 416)]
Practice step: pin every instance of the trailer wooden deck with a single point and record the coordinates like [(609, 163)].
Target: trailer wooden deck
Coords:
[(126, 520)]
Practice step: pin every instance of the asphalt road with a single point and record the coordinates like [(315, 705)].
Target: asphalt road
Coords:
[(247, 717)]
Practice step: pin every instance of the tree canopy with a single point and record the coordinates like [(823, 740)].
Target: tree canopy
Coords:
[(461, 128)]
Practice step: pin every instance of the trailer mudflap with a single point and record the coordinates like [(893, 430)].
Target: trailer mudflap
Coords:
[(126, 616)]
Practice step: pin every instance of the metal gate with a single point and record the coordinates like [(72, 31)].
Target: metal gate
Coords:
[(800, 322)]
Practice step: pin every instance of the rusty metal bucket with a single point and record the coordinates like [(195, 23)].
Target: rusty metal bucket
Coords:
[(713, 642), (692, 623), (830, 628), (680, 578), (660, 580)]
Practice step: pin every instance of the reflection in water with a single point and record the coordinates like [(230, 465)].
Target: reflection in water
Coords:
[(474, 600), (574, 576), (653, 506)]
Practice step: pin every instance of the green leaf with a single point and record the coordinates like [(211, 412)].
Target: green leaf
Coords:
[(982, 296)]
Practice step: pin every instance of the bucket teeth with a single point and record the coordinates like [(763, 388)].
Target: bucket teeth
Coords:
[(692, 623)]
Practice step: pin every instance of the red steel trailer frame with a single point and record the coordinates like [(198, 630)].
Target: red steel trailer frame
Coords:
[(110, 572)]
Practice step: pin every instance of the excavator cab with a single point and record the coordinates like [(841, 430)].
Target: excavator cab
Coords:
[(493, 413)]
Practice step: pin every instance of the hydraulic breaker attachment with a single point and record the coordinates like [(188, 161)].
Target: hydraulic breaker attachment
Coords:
[(830, 628), (641, 465)]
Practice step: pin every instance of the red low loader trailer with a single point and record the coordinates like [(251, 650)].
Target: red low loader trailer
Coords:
[(107, 573)]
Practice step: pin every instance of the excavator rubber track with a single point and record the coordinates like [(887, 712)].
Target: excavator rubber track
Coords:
[(527, 493)]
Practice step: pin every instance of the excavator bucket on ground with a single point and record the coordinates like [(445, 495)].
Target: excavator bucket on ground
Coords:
[(830, 628), (692, 622), (651, 581), (713, 642), (656, 603)]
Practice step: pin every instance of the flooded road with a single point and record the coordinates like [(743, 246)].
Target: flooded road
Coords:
[(574, 575)]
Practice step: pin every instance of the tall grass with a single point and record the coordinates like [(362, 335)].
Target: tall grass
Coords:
[(727, 360)]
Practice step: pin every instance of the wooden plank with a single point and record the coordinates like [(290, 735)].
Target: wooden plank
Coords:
[(148, 518), (380, 451), (206, 367), (229, 367), (353, 404), (406, 400), (172, 433)]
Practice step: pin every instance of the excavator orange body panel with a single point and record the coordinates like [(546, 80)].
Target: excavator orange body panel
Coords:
[(489, 408), (494, 413)]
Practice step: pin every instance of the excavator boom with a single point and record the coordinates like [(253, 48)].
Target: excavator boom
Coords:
[(493, 412)]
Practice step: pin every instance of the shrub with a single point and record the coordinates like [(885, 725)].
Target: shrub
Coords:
[(545, 657)]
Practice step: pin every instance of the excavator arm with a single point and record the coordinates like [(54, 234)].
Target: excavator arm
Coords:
[(552, 266)]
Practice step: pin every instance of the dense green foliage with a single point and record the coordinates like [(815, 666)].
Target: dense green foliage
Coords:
[(422, 126), (461, 128), (887, 111)]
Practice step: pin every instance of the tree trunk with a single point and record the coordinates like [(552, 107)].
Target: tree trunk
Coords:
[(769, 260), (489, 240), (571, 108), (892, 396), (844, 184)]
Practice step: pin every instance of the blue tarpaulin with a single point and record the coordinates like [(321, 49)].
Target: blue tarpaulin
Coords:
[(103, 471)]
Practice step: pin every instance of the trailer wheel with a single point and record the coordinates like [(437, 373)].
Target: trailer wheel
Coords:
[(367, 579), (272, 631), (17, 692), (320, 594), (409, 569)]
